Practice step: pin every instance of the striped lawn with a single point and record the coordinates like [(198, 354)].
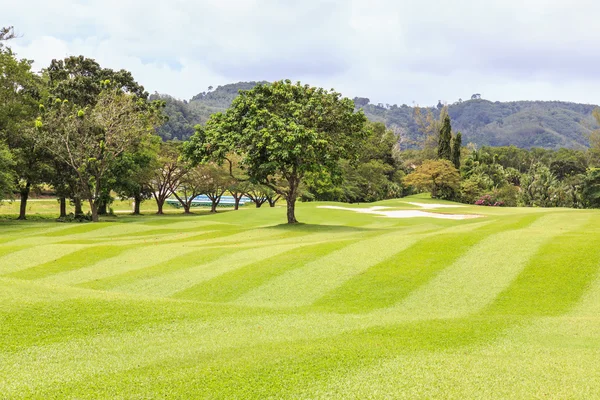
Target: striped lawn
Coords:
[(347, 305)]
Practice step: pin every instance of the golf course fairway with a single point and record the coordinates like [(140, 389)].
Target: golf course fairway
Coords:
[(347, 304)]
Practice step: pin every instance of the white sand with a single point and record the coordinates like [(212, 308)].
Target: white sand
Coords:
[(429, 206), (404, 213)]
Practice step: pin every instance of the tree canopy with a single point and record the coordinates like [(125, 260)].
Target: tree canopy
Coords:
[(281, 132)]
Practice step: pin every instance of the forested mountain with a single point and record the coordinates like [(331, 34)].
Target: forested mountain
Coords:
[(525, 124)]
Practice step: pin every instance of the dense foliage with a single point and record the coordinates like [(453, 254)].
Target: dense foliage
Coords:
[(282, 132)]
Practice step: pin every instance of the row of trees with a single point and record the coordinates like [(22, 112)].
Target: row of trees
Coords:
[(89, 132)]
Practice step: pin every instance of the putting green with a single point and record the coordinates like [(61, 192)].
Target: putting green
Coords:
[(346, 305)]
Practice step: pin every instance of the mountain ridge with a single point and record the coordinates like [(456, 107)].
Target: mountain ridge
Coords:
[(524, 123)]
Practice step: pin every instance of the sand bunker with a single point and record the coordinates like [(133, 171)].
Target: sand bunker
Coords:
[(429, 206), (378, 210)]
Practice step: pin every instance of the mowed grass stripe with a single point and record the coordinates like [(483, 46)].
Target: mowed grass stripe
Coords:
[(72, 261), (32, 256), (188, 260), (74, 230), (136, 258), (168, 284), (555, 279), (233, 284), (7, 249), (474, 280), (302, 286), (391, 280), (259, 359)]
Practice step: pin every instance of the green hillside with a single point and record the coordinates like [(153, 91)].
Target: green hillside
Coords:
[(525, 124), (347, 305)]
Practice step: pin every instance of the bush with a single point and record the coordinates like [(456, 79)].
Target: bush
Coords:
[(489, 200), (71, 217)]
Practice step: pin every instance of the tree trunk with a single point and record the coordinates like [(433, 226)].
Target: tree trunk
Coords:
[(272, 201), (160, 204), (237, 203), (94, 208), (291, 209), (213, 207), (102, 208), (63, 207), (186, 207), (258, 204), (24, 198), (137, 202), (78, 206)]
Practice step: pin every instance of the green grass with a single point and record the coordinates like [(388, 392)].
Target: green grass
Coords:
[(345, 305)]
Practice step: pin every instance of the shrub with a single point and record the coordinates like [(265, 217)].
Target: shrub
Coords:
[(489, 200)]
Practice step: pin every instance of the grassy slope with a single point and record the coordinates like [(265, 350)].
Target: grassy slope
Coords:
[(348, 305)]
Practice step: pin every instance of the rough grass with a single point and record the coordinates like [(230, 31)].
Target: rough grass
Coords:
[(346, 305)]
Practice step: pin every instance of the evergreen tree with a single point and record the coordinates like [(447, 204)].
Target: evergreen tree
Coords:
[(444, 148), (456, 144)]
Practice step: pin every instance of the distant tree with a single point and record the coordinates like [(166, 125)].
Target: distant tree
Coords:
[(439, 105), (539, 187), (476, 96), (594, 141), (168, 173), (444, 140), (286, 130), (216, 181), (591, 189), (191, 185), (456, 146), (257, 194), (135, 171), (272, 197), (436, 176)]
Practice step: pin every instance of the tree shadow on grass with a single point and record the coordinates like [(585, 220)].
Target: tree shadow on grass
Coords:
[(317, 228)]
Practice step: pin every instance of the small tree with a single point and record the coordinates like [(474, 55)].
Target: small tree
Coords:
[(136, 171), (167, 174), (444, 140), (283, 129), (437, 176), (257, 194), (456, 145), (191, 185), (215, 183)]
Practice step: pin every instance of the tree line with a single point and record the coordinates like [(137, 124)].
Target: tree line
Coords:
[(91, 133), (502, 176)]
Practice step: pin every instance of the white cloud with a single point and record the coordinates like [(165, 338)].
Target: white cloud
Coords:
[(390, 51)]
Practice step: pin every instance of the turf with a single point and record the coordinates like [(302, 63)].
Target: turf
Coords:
[(346, 305)]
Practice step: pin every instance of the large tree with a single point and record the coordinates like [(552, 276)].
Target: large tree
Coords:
[(283, 130), (92, 140), (21, 92)]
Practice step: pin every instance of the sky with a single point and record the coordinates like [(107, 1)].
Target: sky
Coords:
[(391, 51)]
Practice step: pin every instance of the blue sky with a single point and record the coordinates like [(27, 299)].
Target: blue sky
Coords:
[(390, 51)]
